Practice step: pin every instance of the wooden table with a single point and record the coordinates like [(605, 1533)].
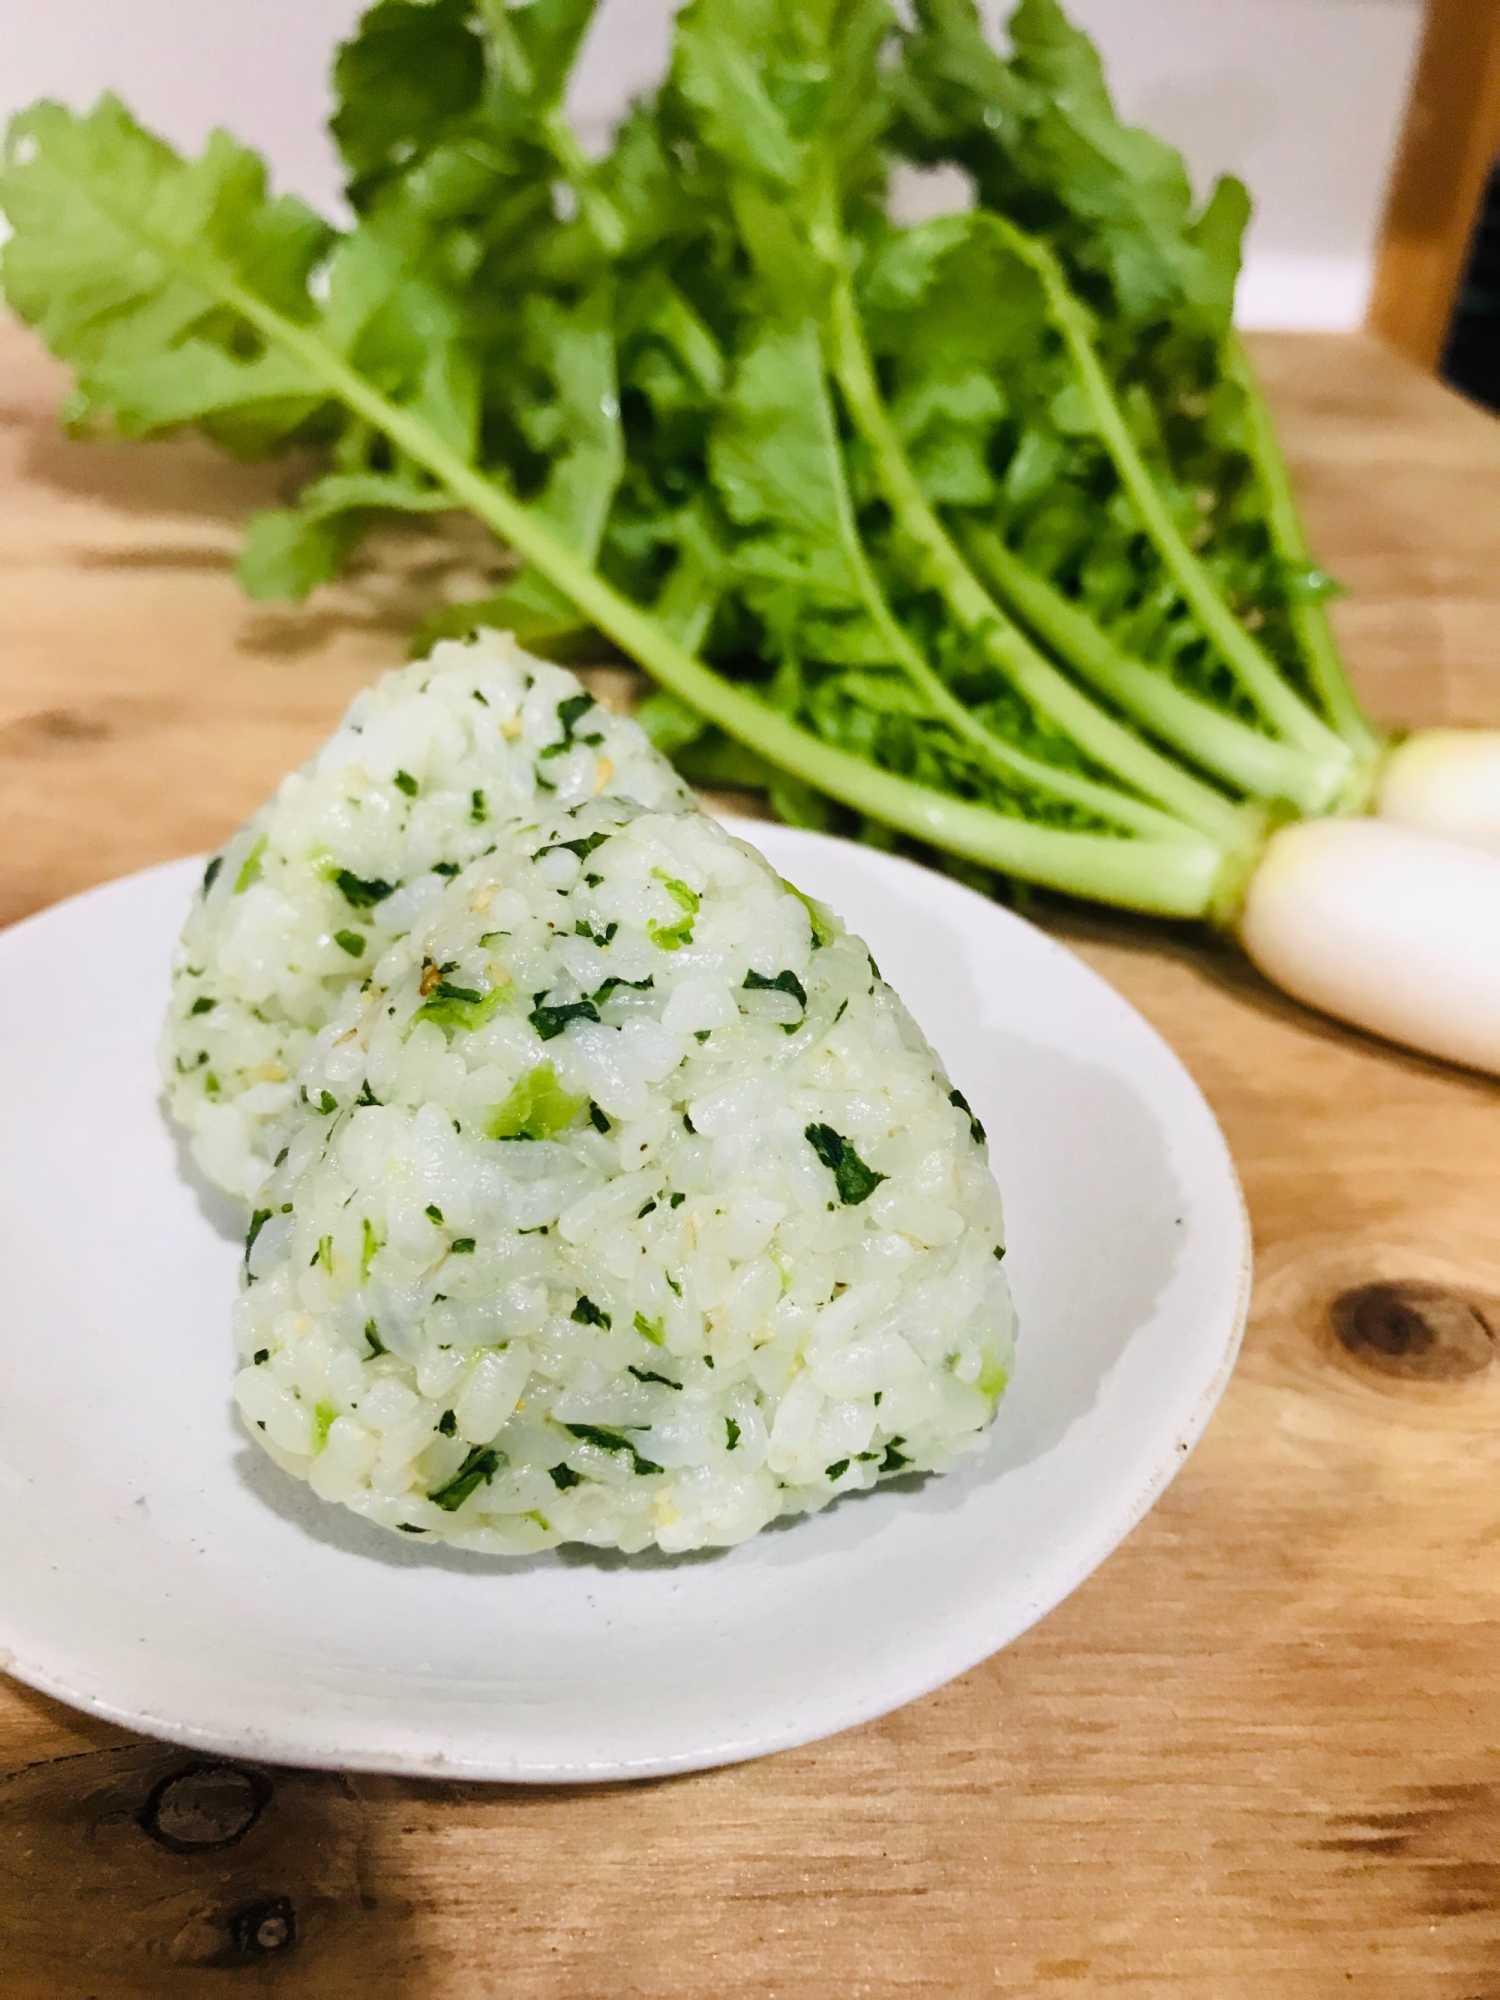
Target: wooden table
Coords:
[(1256, 1757)]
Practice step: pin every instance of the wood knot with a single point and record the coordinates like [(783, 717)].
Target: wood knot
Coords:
[(54, 729), (263, 1928), (207, 1806), (1416, 1330)]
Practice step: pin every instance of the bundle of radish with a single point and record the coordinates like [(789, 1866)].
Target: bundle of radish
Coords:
[(972, 533)]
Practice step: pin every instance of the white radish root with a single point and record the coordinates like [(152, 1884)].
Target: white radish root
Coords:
[(1391, 928), (1446, 781)]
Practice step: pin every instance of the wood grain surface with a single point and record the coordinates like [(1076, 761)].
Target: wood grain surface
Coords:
[(1255, 1757)]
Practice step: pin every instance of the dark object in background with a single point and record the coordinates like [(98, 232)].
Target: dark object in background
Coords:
[(1471, 359)]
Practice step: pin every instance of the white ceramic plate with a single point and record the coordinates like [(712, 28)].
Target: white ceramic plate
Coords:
[(159, 1571)]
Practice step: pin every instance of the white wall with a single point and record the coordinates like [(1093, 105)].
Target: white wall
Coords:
[(1303, 98)]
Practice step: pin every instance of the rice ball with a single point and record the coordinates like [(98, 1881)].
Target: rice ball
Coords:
[(620, 1201), (429, 768)]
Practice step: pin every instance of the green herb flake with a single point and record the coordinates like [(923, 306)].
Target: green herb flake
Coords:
[(563, 1476), (462, 1246), (583, 848), (358, 893), (998, 1253), (643, 1212), (454, 1008), (261, 1356), (409, 1528), (405, 782), (732, 1431), (537, 1108), (837, 1470), (823, 931), (258, 1222), (324, 1253), (448, 1424), (612, 1441), (325, 1416), (676, 1200), (586, 1313), (569, 714), (784, 982), (550, 1021), (993, 1377), (478, 810), (597, 1118), (351, 941), (370, 1242), (328, 1103), (854, 1180), (894, 1460), (672, 937), (478, 1469), (211, 872), (372, 1339), (250, 866), (434, 1213), (653, 1330), (637, 985), (685, 898), (203, 1005), (649, 1375), (976, 1130), (572, 711)]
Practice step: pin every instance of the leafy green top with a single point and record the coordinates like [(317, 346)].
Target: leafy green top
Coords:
[(907, 494)]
